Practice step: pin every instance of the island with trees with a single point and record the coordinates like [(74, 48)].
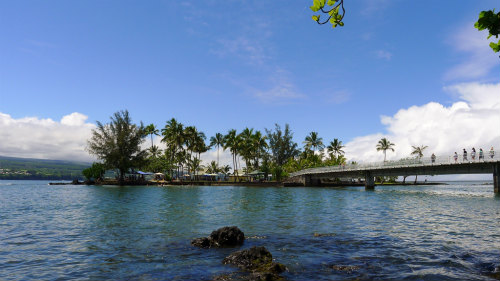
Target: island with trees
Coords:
[(264, 157)]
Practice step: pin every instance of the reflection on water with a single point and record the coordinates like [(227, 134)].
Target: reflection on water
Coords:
[(435, 232)]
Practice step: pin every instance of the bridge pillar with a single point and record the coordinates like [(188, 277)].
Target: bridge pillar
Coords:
[(309, 180), (369, 181), (496, 178)]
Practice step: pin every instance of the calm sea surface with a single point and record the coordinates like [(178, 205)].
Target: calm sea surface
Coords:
[(435, 232)]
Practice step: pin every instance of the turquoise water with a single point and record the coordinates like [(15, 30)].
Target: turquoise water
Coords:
[(433, 232)]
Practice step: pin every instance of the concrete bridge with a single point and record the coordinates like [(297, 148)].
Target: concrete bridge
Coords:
[(443, 165)]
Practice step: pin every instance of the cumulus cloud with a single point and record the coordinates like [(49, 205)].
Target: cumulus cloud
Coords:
[(472, 121), (33, 137)]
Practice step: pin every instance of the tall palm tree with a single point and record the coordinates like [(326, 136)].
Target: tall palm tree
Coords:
[(419, 152), (217, 140), (384, 144), (231, 142), (335, 147), (199, 144), (260, 145), (151, 130), (246, 145), (313, 141), (173, 136)]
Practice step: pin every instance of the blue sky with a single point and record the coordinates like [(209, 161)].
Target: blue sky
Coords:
[(233, 64)]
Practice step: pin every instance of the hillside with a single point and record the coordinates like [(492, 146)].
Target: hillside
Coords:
[(40, 169)]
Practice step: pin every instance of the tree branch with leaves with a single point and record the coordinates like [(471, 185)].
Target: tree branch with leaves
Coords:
[(333, 10)]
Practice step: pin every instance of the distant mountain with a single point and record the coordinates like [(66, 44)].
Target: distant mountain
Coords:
[(14, 168)]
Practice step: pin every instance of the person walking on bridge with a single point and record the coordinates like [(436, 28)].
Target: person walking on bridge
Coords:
[(465, 156), (433, 158), (455, 157), (492, 153), (481, 155), (473, 154)]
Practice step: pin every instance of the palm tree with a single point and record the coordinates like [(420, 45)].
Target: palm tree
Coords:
[(217, 140), (335, 148), (419, 152), (199, 144), (154, 151), (259, 143), (385, 145), (151, 130), (225, 169), (313, 141), (173, 136), (213, 168), (246, 145), (232, 141)]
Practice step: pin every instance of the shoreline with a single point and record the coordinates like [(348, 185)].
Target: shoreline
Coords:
[(250, 184)]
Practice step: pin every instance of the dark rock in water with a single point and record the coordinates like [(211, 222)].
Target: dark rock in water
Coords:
[(257, 260), (203, 242), (228, 236)]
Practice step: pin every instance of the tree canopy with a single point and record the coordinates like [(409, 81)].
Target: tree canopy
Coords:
[(118, 143)]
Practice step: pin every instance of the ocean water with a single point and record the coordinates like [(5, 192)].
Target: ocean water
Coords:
[(433, 232)]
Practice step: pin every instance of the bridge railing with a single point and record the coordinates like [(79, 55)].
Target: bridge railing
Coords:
[(406, 162)]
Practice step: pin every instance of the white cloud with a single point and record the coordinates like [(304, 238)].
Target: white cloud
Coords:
[(32, 137), (381, 54), (471, 122), (478, 60)]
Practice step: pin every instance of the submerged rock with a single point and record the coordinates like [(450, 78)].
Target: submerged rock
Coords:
[(228, 236), (258, 261)]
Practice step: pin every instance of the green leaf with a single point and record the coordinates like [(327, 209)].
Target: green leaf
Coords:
[(495, 46), (315, 18), (341, 23), (316, 6), (331, 2)]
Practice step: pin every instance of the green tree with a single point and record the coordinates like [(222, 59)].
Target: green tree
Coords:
[(490, 21), (94, 172), (232, 142), (384, 145), (154, 151), (173, 137), (335, 12), (213, 168), (419, 152), (246, 146), (335, 148), (217, 140), (259, 145), (118, 143), (281, 144), (314, 142), (151, 130)]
